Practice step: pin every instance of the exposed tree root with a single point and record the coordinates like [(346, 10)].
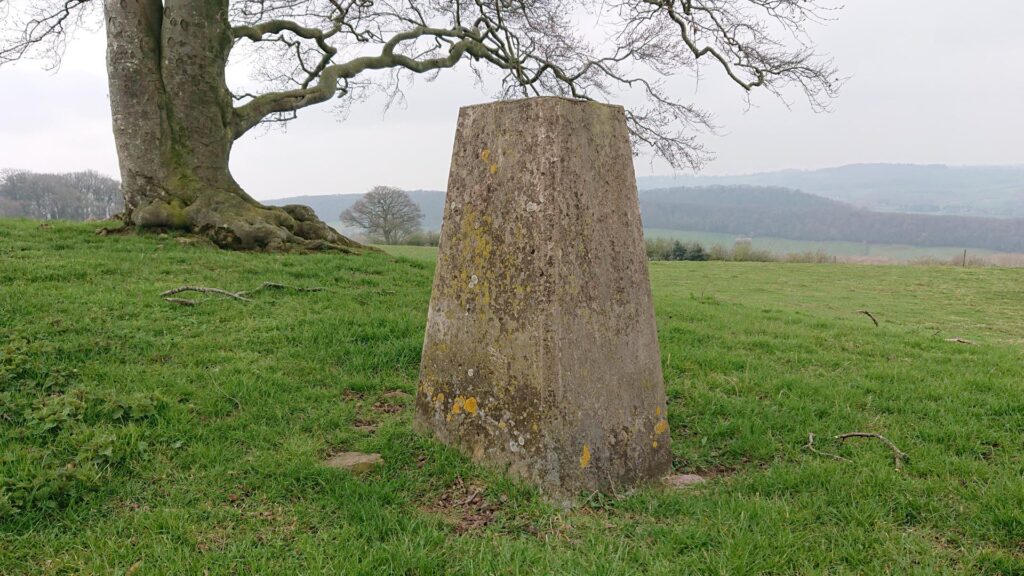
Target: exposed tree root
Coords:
[(270, 229), (232, 220), (869, 315), (898, 455), (243, 295)]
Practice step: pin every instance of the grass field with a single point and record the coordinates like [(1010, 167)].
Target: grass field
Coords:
[(855, 249), (148, 438)]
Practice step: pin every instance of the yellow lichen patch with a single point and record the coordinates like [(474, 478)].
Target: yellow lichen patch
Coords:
[(493, 168), (534, 427), (470, 405), (485, 155), (458, 404), (585, 457), (475, 251), (661, 427), (502, 425), (657, 411), (654, 444), (439, 398)]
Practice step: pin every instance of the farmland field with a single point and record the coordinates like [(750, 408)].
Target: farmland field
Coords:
[(148, 437), (832, 248)]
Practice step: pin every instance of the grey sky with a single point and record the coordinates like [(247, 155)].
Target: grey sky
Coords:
[(931, 82)]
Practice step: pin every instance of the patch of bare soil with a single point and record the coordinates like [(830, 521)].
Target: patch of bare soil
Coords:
[(364, 425), (464, 507), (387, 408)]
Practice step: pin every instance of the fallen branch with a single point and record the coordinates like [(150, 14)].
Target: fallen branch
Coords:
[(898, 455), (869, 315), (960, 340), (205, 290), (810, 447), (243, 295)]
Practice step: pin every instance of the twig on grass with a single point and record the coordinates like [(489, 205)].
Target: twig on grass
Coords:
[(960, 340), (205, 290), (869, 315), (898, 455), (472, 496), (810, 447), (243, 295)]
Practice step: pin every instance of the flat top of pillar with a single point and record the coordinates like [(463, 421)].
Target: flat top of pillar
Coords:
[(551, 101)]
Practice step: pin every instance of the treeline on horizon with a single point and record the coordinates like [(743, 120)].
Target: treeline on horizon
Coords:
[(86, 195), (743, 210)]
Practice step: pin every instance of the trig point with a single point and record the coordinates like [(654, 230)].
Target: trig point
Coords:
[(541, 353)]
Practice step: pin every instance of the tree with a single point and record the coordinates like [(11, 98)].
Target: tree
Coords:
[(695, 251), (678, 251), (175, 118), (384, 213), (100, 195)]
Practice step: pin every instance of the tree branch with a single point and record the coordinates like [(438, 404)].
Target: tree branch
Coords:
[(253, 112), (45, 29)]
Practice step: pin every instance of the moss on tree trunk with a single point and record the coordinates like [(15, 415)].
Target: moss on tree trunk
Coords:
[(172, 119)]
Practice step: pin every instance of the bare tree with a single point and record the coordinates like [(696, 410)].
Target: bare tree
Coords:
[(384, 214), (73, 196), (100, 196), (175, 118)]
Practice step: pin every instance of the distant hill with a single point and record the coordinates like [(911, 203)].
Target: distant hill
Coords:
[(759, 211), (925, 189), (752, 197), (781, 213)]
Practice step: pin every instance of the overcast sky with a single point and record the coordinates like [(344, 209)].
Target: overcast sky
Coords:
[(931, 81)]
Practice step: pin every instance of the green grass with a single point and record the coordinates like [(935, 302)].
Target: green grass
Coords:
[(785, 246), (197, 433), (423, 253)]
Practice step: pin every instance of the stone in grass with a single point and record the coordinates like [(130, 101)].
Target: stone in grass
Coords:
[(355, 462), (682, 480)]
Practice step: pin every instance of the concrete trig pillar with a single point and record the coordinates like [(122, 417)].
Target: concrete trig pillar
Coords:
[(541, 353)]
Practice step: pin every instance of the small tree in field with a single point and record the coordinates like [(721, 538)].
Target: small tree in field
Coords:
[(678, 251), (695, 252), (384, 214)]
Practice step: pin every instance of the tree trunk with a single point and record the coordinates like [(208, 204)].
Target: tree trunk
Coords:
[(172, 115)]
